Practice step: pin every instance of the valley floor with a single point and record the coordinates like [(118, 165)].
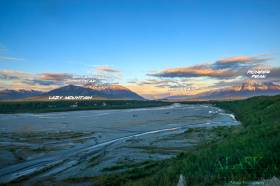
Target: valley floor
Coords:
[(215, 154), (68, 146)]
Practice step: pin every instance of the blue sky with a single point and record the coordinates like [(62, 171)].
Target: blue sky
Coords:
[(135, 37)]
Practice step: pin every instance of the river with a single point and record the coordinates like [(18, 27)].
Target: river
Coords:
[(64, 145)]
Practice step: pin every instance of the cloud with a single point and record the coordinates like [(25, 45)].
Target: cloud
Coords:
[(222, 73), (3, 47), (274, 73), (106, 69), (239, 61), (195, 71), (164, 83), (9, 58), (273, 76), (22, 80), (12, 75), (47, 81), (6, 58), (242, 59), (106, 74), (220, 69), (56, 76), (159, 88)]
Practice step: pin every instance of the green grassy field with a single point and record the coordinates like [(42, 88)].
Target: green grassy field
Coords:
[(249, 152), (60, 106)]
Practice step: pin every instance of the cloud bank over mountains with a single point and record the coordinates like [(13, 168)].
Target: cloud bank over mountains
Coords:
[(224, 72), (221, 69), (194, 79)]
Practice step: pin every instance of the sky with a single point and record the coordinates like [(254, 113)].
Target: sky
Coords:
[(156, 48)]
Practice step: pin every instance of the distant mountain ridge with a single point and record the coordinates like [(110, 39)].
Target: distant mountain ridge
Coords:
[(104, 92), (235, 92), (18, 94)]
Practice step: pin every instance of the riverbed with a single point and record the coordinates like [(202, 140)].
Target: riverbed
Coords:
[(64, 145)]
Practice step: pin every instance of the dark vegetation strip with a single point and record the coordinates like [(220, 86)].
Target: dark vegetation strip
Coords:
[(250, 152), (60, 106)]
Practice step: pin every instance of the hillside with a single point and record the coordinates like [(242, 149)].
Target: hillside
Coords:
[(100, 92)]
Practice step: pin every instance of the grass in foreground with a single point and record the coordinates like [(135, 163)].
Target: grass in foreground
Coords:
[(250, 152)]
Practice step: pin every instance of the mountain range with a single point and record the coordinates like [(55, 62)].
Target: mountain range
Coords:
[(98, 92), (18, 94), (248, 89)]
